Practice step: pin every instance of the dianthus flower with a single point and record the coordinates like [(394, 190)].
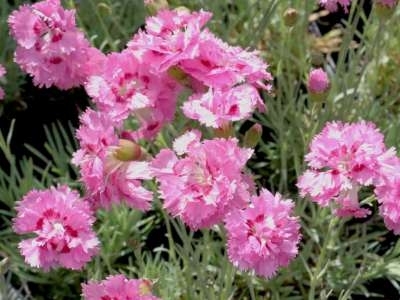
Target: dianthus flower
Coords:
[(216, 108), (333, 5), (50, 47), (118, 287), (62, 225), (2, 73), (110, 174), (264, 236), (206, 182), (169, 37), (343, 158), (125, 87)]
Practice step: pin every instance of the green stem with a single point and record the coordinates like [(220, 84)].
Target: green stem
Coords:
[(322, 259)]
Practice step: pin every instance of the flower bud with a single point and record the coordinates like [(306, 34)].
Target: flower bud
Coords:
[(385, 8), (153, 6), (127, 151), (225, 131), (318, 85), (290, 17), (252, 136)]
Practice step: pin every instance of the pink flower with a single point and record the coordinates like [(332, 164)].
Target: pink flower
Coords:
[(125, 87), (342, 159), (108, 177), (118, 287), (62, 225), (221, 66), (216, 108), (333, 5), (2, 73), (206, 183), (264, 236), (50, 47), (318, 81), (169, 37)]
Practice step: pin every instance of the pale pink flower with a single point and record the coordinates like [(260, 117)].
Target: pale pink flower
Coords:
[(2, 73), (107, 178), (216, 108), (343, 158), (206, 182), (118, 287), (318, 81), (50, 47), (61, 223), (221, 66), (264, 236), (333, 5)]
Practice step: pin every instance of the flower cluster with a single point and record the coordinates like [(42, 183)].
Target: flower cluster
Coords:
[(118, 287), (50, 47), (224, 78), (62, 225), (2, 73), (264, 236), (343, 158)]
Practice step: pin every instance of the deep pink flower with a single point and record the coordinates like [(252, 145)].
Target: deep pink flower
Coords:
[(62, 225), (333, 5), (50, 47), (264, 236), (206, 183), (118, 287), (342, 159), (216, 108), (2, 73), (318, 81), (107, 177)]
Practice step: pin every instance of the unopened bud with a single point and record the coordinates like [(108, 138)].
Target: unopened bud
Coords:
[(290, 17), (179, 75), (252, 136), (225, 131), (127, 151), (385, 8), (153, 6), (318, 85)]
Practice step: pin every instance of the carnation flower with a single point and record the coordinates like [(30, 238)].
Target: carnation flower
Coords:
[(62, 227), (206, 182), (333, 5), (342, 159), (109, 176), (216, 108), (50, 47), (118, 287), (264, 236), (2, 73), (125, 87)]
